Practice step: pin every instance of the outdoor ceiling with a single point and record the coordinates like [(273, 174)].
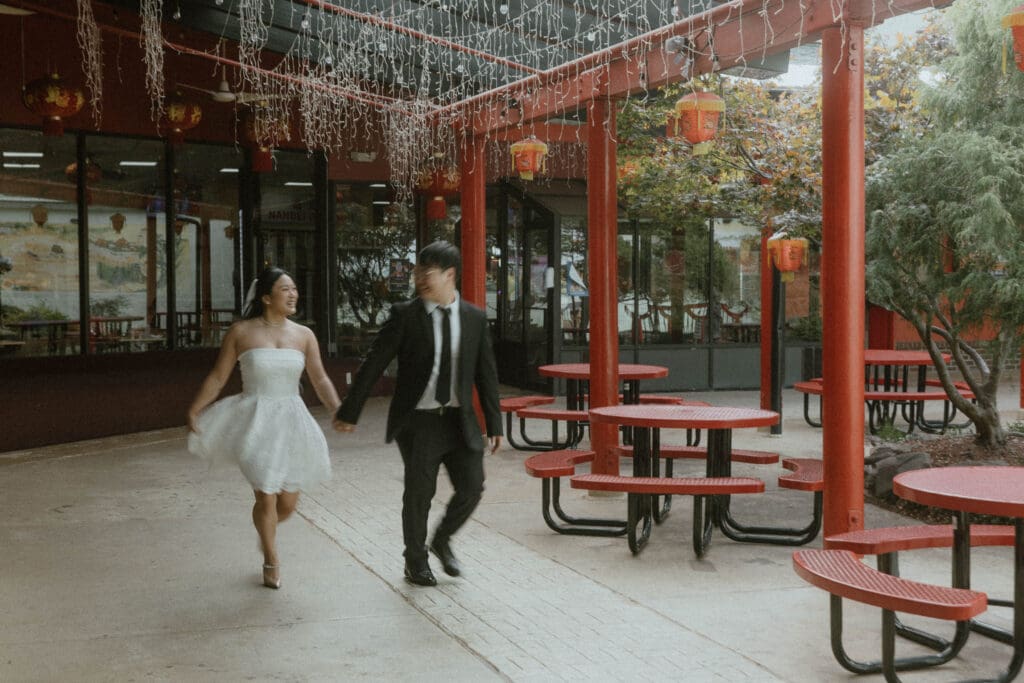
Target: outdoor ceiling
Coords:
[(442, 51), (418, 75)]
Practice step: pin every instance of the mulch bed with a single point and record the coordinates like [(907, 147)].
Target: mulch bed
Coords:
[(948, 451)]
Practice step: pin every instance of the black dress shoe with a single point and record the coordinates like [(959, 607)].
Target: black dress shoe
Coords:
[(448, 561), (421, 576)]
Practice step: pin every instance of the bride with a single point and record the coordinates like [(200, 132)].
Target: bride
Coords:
[(266, 429)]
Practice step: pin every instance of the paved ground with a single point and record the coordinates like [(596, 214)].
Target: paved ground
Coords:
[(126, 559)]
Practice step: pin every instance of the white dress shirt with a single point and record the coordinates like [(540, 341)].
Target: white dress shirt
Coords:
[(427, 400)]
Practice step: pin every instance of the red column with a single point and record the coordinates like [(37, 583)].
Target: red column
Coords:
[(881, 328), (842, 276), (473, 189), (602, 272)]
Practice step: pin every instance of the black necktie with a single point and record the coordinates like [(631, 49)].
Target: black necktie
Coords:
[(444, 376)]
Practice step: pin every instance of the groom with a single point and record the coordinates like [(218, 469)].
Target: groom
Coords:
[(443, 347)]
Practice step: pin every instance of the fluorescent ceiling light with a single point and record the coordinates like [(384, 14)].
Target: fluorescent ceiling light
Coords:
[(229, 170), (296, 183), (379, 203), (137, 163), (378, 184), (14, 11), (9, 165), (23, 155), (29, 200)]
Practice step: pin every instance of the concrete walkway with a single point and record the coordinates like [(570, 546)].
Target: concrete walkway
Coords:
[(126, 559)]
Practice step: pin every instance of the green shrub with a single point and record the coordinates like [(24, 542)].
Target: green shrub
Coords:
[(36, 312)]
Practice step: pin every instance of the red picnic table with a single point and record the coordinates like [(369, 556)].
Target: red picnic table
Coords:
[(577, 374), (977, 490), (711, 493)]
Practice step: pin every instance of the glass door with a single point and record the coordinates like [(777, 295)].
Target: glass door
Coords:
[(525, 332)]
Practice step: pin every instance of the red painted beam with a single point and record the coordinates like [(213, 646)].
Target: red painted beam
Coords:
[(842, 278), (642, 63), (602, 278), (544, 130)]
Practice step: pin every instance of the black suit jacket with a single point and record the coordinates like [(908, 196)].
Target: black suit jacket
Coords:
[(408, 335)]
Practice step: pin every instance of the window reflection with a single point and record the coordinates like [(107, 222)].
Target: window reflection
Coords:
[(376, 238), (39, 241)]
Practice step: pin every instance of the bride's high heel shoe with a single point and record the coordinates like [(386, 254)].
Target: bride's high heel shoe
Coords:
[(269, 578)]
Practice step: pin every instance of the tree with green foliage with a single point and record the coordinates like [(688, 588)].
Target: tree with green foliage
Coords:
[(945, 247)]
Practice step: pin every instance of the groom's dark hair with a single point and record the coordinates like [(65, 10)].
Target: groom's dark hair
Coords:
[(440, 254)]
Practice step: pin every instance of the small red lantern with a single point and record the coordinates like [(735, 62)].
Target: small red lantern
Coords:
[(1015, 22), (696, 119), (180, 115), (528, 157), (787, 255), (54, 100), (93, 172), (438, 183)]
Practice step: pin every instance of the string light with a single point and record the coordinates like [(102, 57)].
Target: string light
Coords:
[(411, 73)]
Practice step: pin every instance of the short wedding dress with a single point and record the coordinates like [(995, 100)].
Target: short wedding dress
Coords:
[(266, 429)]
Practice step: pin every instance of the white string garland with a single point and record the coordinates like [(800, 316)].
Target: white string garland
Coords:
[(412, 74), (90, 42)]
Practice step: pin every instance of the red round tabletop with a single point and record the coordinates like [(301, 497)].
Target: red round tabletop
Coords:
[(893, 357), (982, 490), (684, 417), (582, 371)]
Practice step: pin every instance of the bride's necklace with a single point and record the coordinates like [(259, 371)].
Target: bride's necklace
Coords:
[(270, 324)]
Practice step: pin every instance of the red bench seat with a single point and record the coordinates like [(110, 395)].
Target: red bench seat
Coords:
[(664, 486), (549, 467), (700, 453)]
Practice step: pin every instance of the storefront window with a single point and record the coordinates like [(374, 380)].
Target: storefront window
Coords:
[(575, 293), (39, 303), (206, 239), (376, 238), (125, 244), (124, 198), (692, 282)]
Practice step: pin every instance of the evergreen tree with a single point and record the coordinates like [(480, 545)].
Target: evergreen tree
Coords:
[(945, 247)]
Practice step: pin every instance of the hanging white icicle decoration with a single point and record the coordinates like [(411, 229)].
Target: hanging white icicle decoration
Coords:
[(90, 42), (152, 42)]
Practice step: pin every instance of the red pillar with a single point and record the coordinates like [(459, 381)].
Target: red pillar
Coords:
[(473, 189), (602, 269), (842, 276), (881, 328)]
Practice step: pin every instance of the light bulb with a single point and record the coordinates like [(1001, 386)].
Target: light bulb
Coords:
[(177, 14), (328, 60), (502, 9), (591, 36), (219, 2), (305, 23), (460, 68)]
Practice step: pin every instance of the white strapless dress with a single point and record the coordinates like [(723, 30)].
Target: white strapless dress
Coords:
[(266, 429)]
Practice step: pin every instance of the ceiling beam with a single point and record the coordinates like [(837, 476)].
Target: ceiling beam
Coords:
[(740, 33)]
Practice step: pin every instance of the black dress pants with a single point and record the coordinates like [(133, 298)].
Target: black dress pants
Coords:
[(428, 440)]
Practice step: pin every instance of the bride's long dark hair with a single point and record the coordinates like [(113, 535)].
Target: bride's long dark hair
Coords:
[(260, 287)]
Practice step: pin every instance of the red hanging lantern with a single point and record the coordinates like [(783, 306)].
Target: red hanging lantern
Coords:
[(787, 255), (54, 100), (528, 157), (696, 119), (437, 183), (1015, 22), (180, 115)]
